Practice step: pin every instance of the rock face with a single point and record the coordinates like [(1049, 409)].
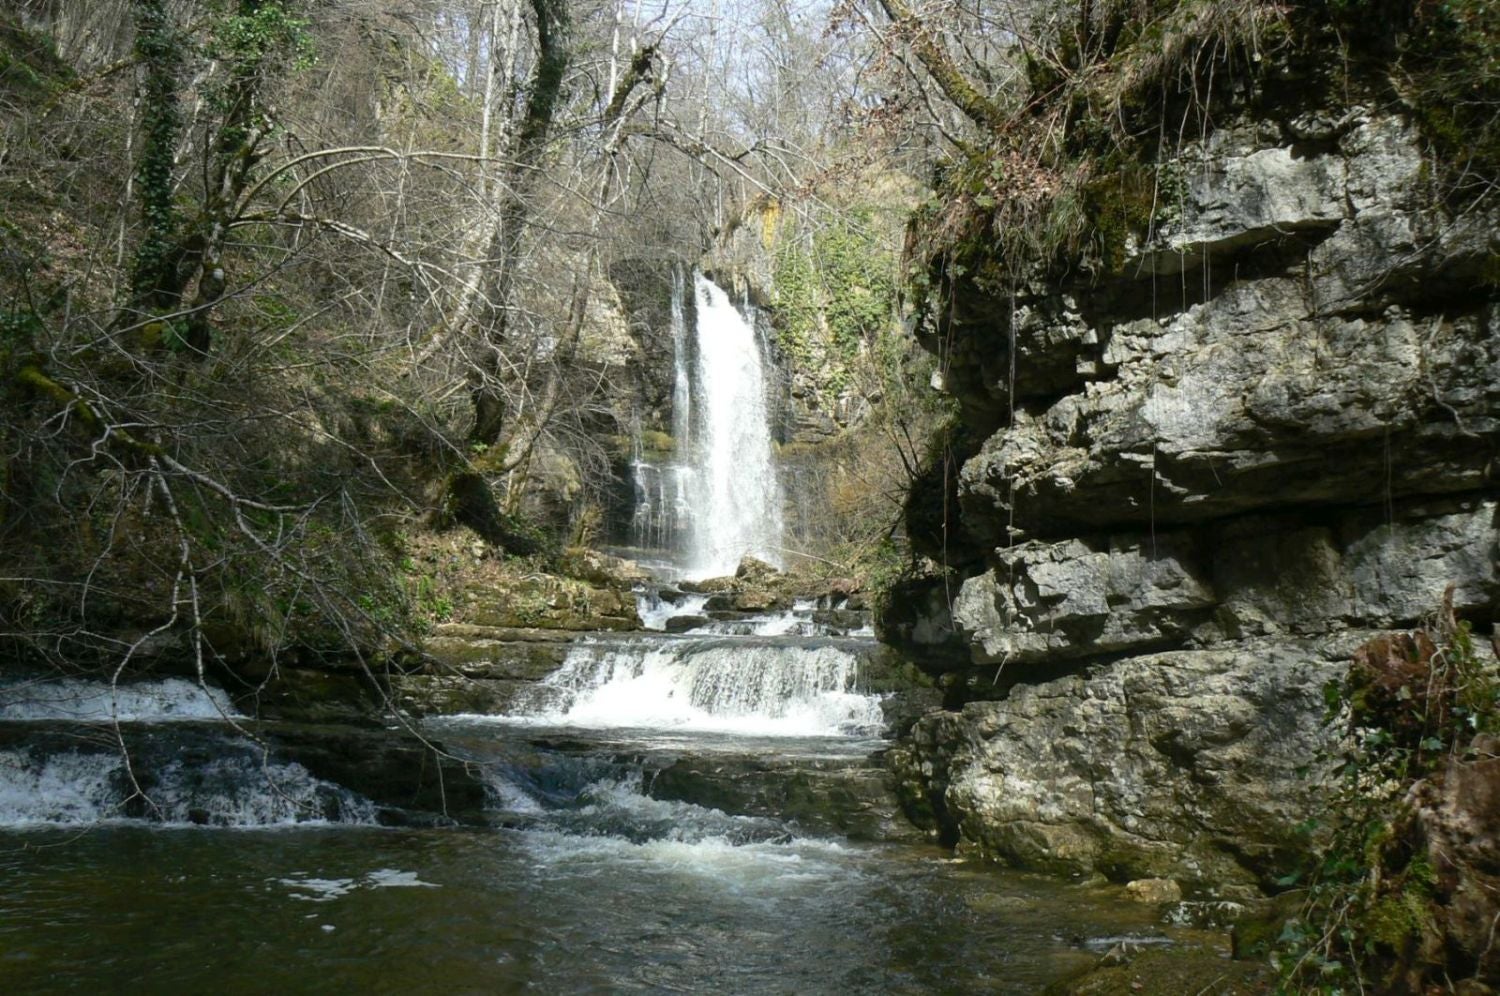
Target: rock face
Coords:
[(1177, 765), (1459, 815), (1273, 428)]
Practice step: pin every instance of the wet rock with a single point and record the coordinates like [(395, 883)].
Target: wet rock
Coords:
[(1198, 970), (468, 668), (841, 620), (391, 767), (310, 695), (1155, 891), (483, 656), (684, 624), (551, 602), (759, 601), (1211, 914), (854, 797), (1122, 953), (710, 586), (421, 695), (601, 569), (754, 571), (918, 621)]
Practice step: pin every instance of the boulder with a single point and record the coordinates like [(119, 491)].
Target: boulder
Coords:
[(754, 571), (684, 624)]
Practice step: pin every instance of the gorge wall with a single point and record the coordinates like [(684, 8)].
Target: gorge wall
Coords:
[(1194, 482)]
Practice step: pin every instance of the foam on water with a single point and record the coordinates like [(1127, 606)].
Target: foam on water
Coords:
[(613, 821), (78, 788), (69, 789), (157, 701), (655, 610), (720, 686), (761, 866)]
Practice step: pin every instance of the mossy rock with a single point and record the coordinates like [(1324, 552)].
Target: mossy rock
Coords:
[(486, 658), (1162, 971), (1255, 934)]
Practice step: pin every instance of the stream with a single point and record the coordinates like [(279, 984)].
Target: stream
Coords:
[(704, 811), (602, 866)]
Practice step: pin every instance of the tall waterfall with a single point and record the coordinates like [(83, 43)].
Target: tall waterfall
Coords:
[(719, 498), (738, 497)]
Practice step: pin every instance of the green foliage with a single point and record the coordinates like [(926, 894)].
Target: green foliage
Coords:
[(836, 292), (255, 30), (1450, 70), (858, 277), (19, 327), (798, 302), (161, 49), (1408, 706), (29, 65), (881, 567)]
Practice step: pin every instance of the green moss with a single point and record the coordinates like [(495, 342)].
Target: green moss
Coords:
[(30, 68), (1398, 919)]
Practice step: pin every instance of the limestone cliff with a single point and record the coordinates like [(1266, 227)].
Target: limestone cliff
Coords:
[(1200, 476)]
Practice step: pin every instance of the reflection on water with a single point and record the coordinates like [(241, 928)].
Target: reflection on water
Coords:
[(544, 910)]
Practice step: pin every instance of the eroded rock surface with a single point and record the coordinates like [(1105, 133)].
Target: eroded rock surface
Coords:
[(1272, 429)]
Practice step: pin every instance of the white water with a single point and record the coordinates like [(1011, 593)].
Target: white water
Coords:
[(682, 382), (738, 506), (720, 686), (720, 498), (655, 610), (78, 788), (96, 701)]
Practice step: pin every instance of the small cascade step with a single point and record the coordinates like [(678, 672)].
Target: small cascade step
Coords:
[(767, 686), (731, 787), (750, 613), (177, 752)]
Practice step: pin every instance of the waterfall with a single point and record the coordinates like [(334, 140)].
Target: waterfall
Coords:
[(739, 685), (719, 498), (737, 495), (238, 788), (94, 701), (682, 382)]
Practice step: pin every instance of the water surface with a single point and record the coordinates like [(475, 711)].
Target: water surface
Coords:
[(694, 907)]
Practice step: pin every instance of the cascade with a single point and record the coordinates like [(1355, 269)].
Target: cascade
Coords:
[(765, 687), (163, 700), (235, 788)]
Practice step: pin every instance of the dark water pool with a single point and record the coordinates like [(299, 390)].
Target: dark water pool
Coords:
[(698, 909)]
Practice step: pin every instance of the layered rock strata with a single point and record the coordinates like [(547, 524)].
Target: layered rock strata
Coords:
[(1272, 430)]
